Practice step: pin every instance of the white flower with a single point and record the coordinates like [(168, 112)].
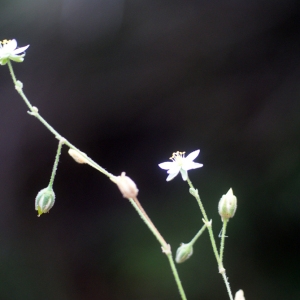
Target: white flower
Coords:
[(180, 164), (8, 50)]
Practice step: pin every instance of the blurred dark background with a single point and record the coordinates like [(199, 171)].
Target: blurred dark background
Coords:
[(130, 82)]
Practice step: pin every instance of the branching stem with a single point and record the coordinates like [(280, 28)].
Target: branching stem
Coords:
[(136, 204), (208, 224)]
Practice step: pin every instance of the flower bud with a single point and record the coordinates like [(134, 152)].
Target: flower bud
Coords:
[(227, 205), (77, 156), (126, 185), (194, 192), (183, 253), (19, 85), (239, 295), (44, 200)]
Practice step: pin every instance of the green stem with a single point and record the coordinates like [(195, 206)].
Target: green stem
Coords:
[(34, 112), (227, 285), (192, 242), (176, 276), (164, 245), (207, 222), (60, 144), (221, 267), (136, 204), (225, 221), (212, 239), (11, 71)]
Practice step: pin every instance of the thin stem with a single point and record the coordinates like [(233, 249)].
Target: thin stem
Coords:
[(207, 222), (136, 204), (60, 144), (176, 276), (212, 239), (11, 71), (164, 245), (19, 90), (221, 267), (192, 242), (34, 112), (225, 221), (227, 285)]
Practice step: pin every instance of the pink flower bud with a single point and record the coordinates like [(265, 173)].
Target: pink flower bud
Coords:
[(126, 186), (77, 156)]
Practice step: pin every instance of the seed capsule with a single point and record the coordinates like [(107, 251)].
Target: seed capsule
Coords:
[(44, 200), (183, 253), (227, 205)]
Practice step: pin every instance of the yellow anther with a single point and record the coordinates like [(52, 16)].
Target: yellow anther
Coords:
[(177, 154), (5, 42)]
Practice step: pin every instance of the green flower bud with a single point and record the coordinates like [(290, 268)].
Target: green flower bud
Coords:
[(19, 85), (183, 253), (44, 200), (227, 205)]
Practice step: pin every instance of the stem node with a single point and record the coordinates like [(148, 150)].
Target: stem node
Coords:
[(166, 249), (207, 223)]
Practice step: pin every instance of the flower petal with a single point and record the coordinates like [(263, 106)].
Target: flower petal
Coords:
[(22, 49), (17, 58), (166, 165), (172, 175), (191, 165), (174, 169), (196, 165), (11, 45), (193, 155), (184, 174), (3, 61)]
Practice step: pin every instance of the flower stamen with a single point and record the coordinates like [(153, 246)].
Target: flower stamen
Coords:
[(4, 42), (178, 157)]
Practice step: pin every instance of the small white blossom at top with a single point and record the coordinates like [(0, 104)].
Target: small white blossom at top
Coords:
[(181, 164), (9, 50)]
